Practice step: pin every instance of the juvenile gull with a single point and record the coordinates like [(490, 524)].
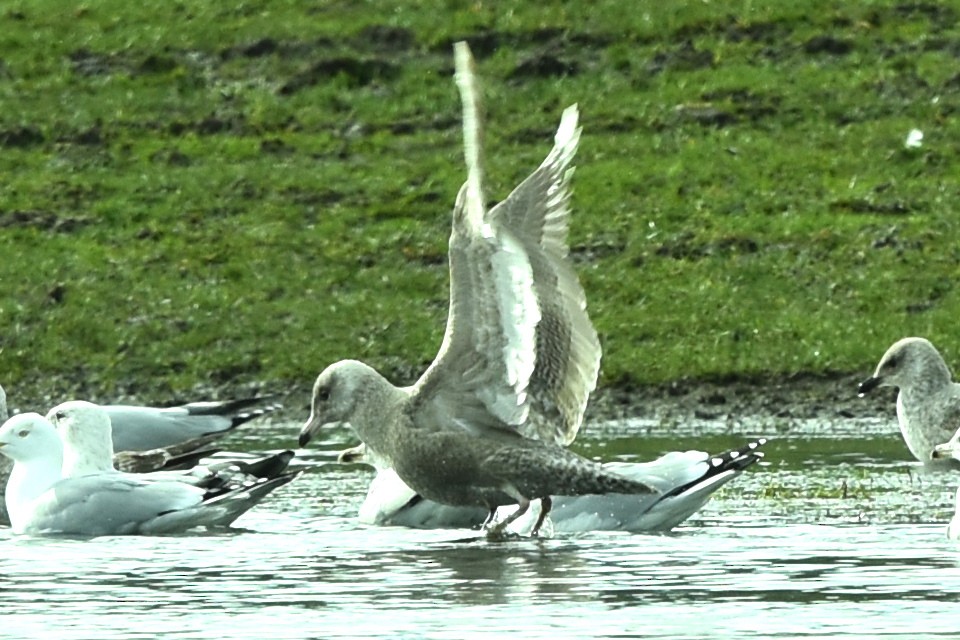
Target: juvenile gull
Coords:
[(928, 403), (486, 423), (687, 480), (86, 496)]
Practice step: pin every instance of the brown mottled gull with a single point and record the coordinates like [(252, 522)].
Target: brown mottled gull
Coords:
[(928, 403), (486, 423)]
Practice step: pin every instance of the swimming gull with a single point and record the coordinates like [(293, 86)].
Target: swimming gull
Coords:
[(151, 438), (686, 479), (928, 403), (183, 427), (86, 496), (486, 423)]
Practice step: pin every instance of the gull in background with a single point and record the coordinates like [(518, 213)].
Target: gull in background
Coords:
[(928, 401)]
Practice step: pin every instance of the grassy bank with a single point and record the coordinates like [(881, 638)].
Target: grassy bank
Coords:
[(197, 194)]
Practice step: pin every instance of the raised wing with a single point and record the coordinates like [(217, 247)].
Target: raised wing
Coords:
[(519, 349), (480, 377), (568, 351)]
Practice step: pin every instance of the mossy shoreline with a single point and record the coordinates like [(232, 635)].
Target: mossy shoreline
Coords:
[(216, 199)]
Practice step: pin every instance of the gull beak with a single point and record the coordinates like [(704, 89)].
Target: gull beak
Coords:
[(310, 429), (868, 385)]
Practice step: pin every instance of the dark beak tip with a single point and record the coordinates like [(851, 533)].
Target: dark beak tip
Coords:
[(867, 386), (304, 439)]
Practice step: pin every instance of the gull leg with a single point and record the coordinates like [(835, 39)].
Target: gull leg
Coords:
[(496, 531), (490, 516), (546, 503)]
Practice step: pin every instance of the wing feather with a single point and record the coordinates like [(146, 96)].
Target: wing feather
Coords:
[(519, 351)]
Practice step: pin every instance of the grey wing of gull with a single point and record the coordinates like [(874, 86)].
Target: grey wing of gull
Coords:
[(949, 427), (198, 423), (107, 503), (113, 503), (4, 412), (686, 479), (480, 377), (6, 466), (568, 351)]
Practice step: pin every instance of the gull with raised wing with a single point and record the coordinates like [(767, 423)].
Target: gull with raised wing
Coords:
[(928, 401), (486, 425), (85, 496)]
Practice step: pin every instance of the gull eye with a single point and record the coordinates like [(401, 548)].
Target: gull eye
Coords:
[(23, 433), (892, 363), (323, 394), (60, 415)]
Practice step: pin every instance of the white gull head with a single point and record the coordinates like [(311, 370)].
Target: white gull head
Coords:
[(85, 431)]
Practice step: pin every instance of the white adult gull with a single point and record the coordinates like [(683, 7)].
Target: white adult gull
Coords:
[(86, 496), (487, 422), (182, 427), (151, 438), (928, 401)]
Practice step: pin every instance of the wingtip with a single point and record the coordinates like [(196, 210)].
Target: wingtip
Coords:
[(568, 130)]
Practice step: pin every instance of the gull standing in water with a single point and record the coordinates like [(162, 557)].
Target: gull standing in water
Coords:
[(928, 403), (487, 423)]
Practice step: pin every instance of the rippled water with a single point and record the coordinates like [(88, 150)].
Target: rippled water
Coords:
[(836, 535)]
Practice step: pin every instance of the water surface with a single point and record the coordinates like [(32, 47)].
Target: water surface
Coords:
[(837, 534)]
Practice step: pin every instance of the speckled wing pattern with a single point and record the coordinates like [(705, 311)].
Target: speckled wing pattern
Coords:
[(519, 351), (480, 377), (568, 350)]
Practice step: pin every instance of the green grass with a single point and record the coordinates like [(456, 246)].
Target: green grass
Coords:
[(197, 194)]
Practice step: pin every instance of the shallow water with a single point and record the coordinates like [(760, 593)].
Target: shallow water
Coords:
[(836, 534)]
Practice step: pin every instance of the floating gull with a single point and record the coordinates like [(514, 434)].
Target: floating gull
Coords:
[(686, 480), (486, 424), (150, 438), (198, 423), (928, 404), (86, 496), (184, 427)]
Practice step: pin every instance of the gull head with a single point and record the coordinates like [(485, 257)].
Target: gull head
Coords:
[(87, 437), (28, 436), (908, 362), (337, 395)]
